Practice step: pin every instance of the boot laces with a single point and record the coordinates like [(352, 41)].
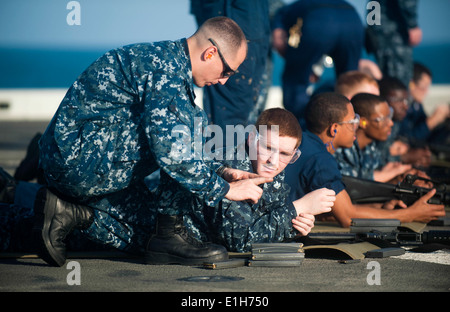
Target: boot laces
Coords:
[(183, 232)]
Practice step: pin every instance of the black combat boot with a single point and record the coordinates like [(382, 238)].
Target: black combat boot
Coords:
[(54, 220), (172, 244)]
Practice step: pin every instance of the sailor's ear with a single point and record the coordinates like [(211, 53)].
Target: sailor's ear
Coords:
[(363, 122), (209, 53), (332, 131)]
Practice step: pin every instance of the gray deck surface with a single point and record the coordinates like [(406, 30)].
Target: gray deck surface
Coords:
[(116, 272)]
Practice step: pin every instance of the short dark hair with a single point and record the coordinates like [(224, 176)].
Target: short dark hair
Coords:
[(388, 84), (419, 70), (364, 103), (286, 121), (324, 109), (225, 31)]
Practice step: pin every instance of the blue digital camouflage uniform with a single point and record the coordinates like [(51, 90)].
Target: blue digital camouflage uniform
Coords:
[(117, 124), (236, 225), (414, 126), (389, 41), (357, 162), (383, 146)]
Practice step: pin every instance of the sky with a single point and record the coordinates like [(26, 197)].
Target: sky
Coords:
[(104, 23), (111, 23)]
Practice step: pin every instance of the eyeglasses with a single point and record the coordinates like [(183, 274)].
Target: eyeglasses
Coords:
[(227, 72), (398, 100), (284, 157), (354, 122), (385, 119)]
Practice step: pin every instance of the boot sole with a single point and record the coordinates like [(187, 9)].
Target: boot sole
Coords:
[(44, 210), (165, 258)]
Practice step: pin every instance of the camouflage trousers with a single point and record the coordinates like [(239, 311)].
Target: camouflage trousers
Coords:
[(124, 220), (393, 55)]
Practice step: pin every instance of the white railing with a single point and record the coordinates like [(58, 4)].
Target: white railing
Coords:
[(41, 104)]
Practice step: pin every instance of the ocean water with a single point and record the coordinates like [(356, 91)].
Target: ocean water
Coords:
[(34, 68)]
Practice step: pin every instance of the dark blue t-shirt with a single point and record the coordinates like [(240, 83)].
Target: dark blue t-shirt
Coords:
[(316, 168)]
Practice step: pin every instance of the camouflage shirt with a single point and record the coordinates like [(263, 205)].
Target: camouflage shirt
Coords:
[(120, 121), (236, 225), (357, 162)]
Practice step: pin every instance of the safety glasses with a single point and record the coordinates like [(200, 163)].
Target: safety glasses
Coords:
[(227, 72), (283, 156), (354, 122), (385, 119)]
